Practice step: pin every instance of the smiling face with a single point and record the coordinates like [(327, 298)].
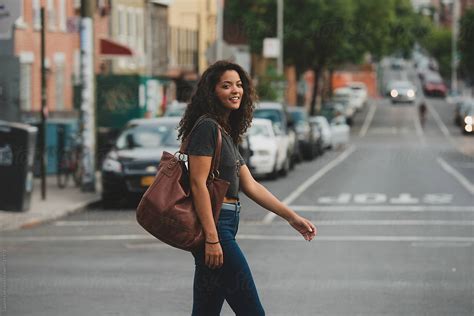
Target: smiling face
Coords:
[(229, 90)]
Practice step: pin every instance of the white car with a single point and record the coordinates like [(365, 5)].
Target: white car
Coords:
[(275, 112), (359, 93), (340, 131), (269, 153), (344, 97), (326, 135)]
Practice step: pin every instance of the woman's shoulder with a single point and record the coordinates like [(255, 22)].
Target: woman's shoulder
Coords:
[(207, 123)]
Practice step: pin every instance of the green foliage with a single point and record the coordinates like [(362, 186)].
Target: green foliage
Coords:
[(438, 44), (466, 44), (268, 87)]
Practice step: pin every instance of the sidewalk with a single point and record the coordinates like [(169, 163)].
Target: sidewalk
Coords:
[(58, 203)]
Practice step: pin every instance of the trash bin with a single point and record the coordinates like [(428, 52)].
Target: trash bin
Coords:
[(17, 149)]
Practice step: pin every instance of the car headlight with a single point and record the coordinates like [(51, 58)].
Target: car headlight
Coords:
[(468, 120), (410, 93), (394, 93), (112, 165)]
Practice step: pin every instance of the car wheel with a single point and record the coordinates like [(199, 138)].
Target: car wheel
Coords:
[(286, 167)]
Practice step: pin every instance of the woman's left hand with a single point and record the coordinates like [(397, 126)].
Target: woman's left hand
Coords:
[(304, 227)]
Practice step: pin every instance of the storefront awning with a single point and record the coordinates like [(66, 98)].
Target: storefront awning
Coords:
[(113, 49)]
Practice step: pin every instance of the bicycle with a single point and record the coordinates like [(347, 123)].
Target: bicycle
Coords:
[(69, 164)]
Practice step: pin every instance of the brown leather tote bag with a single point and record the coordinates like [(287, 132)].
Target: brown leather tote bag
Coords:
[(166, 210)]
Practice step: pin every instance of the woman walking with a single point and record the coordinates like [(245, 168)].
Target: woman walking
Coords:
[(226, 97)]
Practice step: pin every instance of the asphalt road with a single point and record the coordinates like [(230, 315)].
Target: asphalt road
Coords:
[(395, 214)]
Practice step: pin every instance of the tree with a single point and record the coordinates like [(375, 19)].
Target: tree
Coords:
[(466, 47), (438, 44)]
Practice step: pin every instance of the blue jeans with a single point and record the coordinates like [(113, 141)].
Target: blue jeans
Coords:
[(232, 282)]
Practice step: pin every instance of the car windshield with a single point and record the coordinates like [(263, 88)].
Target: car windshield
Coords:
[(148, 136), (401, 85), (272, 115), (297, 116), (259, 130)]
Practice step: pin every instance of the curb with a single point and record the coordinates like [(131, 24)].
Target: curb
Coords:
[(34, 222)]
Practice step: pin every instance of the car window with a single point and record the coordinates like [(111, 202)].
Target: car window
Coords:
[(259, 130), (272, 115), (147, 136)]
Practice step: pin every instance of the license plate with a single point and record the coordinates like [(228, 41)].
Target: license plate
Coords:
[(147, 181)]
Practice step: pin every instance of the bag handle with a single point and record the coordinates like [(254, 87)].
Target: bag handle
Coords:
[(214, 172)]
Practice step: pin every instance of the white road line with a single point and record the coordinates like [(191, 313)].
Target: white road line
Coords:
[(94, 223), (440, 123), (381, 208), (319, 223), (360, 238), (244, 237), (310, 181), (465, 183), (394, 223), (368, 120)]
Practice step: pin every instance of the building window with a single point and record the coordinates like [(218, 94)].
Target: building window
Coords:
[(122, 25), (36, 15), (62, 15), (51, 15), (25, 86), (59, 86), (20, 22)]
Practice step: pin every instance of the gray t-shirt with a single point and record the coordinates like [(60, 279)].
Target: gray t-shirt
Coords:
[(202, 142)]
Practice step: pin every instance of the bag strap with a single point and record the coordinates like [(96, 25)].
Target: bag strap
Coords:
[(217, 152)]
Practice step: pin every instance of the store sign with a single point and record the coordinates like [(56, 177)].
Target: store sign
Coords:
[(271, 47), (10, 11)]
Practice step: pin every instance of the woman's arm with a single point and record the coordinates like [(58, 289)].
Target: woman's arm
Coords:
[(199, 171), (264, 198)]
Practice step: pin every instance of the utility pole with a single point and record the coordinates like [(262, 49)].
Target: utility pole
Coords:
[(280, 35), (88, 130), (44, 108), (219, 30), (454, 58)]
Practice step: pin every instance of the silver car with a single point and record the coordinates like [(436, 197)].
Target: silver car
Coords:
[(402, 91)]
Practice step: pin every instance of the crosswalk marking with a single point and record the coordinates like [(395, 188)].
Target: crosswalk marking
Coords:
[(381, 208)]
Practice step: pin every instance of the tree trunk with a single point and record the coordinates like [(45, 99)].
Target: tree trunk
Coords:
[(317, 75)]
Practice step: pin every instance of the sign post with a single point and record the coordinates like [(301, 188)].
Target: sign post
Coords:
[(88, 131)]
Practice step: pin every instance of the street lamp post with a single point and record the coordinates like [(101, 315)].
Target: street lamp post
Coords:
[(280, 35), (454, 40)]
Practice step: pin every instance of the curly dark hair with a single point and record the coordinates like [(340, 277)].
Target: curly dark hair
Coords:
[(205, 102)]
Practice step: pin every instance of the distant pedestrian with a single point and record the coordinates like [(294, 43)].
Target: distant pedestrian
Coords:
[(226, 96), (422, 109)]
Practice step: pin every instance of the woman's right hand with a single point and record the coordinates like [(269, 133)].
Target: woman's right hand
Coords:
[(214, 257)]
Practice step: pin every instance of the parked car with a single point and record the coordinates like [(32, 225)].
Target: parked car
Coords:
[(402, 91), (176, 109), (330, 110), (306, 134), (467, 120), (340, 131), (461, 105), (269, 154), (433, 85), (359, 93), (343, 96), (325, 130), (130, 167), (283, 128)]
